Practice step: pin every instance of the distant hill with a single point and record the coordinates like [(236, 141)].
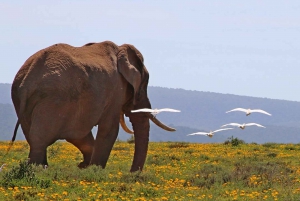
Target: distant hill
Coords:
[(5, 93), (8, 121), (200, 111)]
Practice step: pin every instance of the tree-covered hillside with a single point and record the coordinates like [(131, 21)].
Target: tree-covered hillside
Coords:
[(207, 110), (8, 121)]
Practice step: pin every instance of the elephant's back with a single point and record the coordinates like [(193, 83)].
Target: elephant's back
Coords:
[(90, 57), (65, 72), (81, 69)]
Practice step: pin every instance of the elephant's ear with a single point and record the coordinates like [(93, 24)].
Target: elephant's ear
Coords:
[(128, 66)]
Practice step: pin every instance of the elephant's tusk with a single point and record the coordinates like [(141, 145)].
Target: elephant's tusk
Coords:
[(123, 124), (160, 124)]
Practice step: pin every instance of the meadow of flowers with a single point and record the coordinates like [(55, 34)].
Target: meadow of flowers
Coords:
[(173, 171)]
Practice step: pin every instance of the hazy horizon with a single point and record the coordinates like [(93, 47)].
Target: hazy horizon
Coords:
[(209, 92)]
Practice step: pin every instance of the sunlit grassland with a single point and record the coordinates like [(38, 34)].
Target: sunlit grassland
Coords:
[(173, 171)]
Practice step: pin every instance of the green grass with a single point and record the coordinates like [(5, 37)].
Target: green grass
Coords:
[(173, 171)]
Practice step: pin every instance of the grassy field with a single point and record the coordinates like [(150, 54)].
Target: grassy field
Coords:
[(173, 171)]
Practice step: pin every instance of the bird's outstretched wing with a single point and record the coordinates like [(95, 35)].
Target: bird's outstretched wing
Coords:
[(168, 110), (231, 124), (143, 110), (261, 111), (238, 109), (254, 124), (199, 133), (223, 129)]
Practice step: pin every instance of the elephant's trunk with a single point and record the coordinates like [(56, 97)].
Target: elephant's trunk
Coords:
[(141, 127)]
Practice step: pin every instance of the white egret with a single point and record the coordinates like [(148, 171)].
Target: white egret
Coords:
[(249, 111), (243, 126), (211, 133), (155, 111)]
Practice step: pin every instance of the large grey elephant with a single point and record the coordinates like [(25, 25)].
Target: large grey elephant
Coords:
[(62, 91)]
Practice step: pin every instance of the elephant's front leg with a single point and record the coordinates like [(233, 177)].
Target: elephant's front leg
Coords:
[(106, 137), (85, 145)]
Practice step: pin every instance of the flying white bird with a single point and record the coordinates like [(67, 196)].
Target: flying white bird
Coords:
[(211, 133), (2, 166), (155, 111), (242, 126), (249, 111)]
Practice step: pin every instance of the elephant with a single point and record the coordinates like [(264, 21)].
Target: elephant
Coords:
[(62, 92)]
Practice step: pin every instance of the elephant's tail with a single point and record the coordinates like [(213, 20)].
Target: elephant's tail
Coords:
[(14, 137), (23, 98)]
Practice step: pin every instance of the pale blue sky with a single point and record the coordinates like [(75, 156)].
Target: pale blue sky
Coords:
[(238, 47)]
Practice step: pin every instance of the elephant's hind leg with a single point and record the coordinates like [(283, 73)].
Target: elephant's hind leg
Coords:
[(85, 145), (37, 153), (38, 146), (46, 124)]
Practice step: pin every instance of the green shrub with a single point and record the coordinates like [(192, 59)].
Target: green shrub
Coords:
[(179, 145), (23, 174), (272, 155), (270, 145), (131, 139), (234, 141)]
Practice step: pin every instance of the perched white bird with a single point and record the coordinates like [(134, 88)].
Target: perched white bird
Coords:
[(249, 111), (211, 133), (2, 166), (155, 111), (242, 126)]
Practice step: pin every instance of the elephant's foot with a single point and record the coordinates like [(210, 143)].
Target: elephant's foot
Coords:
[(37, 163), (83, 165)]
